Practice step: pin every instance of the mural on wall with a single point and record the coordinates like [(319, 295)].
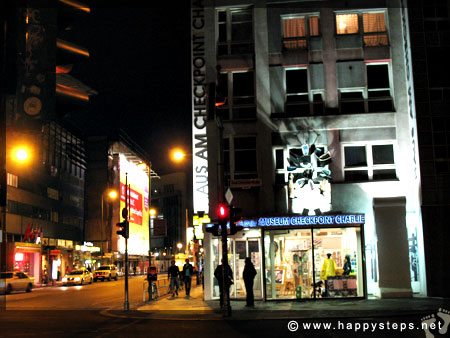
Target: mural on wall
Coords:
[(309, 177)]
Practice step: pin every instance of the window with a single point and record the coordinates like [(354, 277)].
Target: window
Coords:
[(296, 30), (374, 29), (239, 91), (12, 180), (235, 27), (240, 157), (367, 162), (300, 100), (375, 97), (53, 193), (347, 24)]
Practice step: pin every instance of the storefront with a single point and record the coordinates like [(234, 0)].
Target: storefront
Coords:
[(290, 254), (27, 258)]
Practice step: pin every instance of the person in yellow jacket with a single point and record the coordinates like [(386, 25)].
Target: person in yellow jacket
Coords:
[(328, 268)]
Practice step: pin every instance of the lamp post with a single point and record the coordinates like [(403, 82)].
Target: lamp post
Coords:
[(112, 194)]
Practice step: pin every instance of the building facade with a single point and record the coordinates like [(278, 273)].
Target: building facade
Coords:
[(314, 116)]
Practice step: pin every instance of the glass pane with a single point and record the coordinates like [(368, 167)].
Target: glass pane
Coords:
[(296, 81), (376, 40), (241, 250), (347, 23), (279, 159), (222, 16), (245, 160), (243, 84), (240, 16), (377, 76), (337, 259), (314, 26), (245, 143), (385, 174), (244, 113), (383, 154), (355, 156), (294, 27), (376, 106), (242, 31), (222, 32), (294, 44), (373, 22), (356, 175)]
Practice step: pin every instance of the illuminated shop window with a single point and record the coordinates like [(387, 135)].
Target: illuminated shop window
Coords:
[(235, 27), (297, 29), (367, 162), (347, 24)]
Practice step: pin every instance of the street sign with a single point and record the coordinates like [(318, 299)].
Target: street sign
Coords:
[(229, 195)]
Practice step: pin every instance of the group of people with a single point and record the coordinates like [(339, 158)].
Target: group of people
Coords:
[(174, 274)]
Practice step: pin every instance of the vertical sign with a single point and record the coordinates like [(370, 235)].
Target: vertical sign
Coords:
[(199, 104)]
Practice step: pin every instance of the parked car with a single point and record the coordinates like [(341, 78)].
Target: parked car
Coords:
[(15, 281), (78, 277), (105, 272)]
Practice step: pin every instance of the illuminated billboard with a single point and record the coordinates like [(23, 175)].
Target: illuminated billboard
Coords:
[(138, 208)]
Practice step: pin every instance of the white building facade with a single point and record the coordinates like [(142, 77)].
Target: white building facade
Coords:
[(319, 146)]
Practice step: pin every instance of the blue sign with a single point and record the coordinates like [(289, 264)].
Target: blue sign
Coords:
[(301, 221)]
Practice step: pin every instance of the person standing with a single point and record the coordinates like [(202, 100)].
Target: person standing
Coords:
[(219, 276), (249, 275), (347, 266), (188, 271), (328, 269), (173, 273)]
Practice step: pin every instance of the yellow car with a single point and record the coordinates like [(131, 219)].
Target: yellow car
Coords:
[(15, 281), (78, 277)]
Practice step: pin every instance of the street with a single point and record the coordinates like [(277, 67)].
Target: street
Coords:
[(99, 295)]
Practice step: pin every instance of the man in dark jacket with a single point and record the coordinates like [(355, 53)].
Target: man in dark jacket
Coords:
[(188, 271), (218, 274), (173, 273)]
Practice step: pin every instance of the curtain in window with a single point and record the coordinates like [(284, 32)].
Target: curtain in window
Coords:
[(294, 33), (314, 26), (373, 23), (347, 23)]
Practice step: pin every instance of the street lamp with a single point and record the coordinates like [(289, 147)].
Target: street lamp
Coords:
[(112, 194), (179, 246)]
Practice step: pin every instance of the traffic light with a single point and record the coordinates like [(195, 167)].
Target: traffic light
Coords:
[(234, 219), (223, 213), (124, 229)]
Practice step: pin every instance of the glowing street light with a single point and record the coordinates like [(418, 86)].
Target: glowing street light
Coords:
[(179, 246)]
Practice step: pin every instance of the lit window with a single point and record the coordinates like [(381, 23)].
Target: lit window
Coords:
[(12, 180), (367, 162), (374, 24), (53, 194), (295, 32), (347, 24)]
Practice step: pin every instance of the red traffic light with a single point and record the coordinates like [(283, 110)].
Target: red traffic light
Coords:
[(222, 211)]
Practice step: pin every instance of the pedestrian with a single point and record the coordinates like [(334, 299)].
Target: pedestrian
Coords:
[(347, 266), (219, 276), (188, 271), (173, 273), (249, 275)]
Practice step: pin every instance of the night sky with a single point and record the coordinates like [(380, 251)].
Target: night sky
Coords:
[(140, 66)]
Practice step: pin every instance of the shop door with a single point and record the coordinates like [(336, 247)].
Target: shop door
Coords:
[(246, 248)]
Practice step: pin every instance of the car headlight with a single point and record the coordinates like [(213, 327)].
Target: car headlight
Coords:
[(77, 279), (64, 279)]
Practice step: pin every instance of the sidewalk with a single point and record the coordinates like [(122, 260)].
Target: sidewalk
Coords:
[(196, 308)]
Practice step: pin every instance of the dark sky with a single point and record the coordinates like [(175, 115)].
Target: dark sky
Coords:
[(140, 66)]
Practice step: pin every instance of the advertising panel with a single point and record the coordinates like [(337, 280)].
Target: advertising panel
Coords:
[(138, 213)]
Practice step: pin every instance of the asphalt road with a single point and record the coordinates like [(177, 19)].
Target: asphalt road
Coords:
[(99, 295)]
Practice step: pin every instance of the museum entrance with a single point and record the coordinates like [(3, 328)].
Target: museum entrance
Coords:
[(313, 263)]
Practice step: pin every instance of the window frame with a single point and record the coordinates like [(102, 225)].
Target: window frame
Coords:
[(231, 175), (229, 42), (365, 90), (307, 20), (230, 106), (360, 21), (370, 167)]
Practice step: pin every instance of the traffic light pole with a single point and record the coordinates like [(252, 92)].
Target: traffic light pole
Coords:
[(126, 304), (223, 224)]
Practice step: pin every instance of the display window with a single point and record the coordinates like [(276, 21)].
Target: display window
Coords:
[(313, 263)]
